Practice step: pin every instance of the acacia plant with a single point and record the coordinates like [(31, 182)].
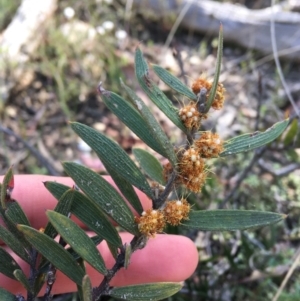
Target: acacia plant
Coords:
[(93, 200)]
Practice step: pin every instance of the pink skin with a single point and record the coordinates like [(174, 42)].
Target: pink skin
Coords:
[(165, 258)]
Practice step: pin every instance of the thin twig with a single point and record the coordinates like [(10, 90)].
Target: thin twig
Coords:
[(127, 14), (280, 53), (168, 188), (259, 100), (43, 161), (276, 59), (178, 57), (257, 155), (279, 172), (179, 19), (288, 275)]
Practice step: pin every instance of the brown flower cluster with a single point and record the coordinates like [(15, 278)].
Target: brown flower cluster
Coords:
[(167, 170), (202, 82), (209, 145), (175, 211), (151, 222), (191, 170), (190, 116), (219, 97), (154, 221), (191, 167)]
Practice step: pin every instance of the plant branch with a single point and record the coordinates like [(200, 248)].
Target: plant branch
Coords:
[(51, 277), (279, 172), (178, 57), (32, 273), (168, 188), (138, 242)]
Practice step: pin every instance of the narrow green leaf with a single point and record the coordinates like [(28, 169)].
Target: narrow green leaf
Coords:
[(6, 295), (79, 292), (79, 287), (103, 194), (111, 154), (12, 228), (113, 250), (88, 212), (96, 240), (44, 265), (87, 288), (230, 220), (7, 264), (131, 118), (214, 87), (254, 140), (134, 121), (153, 92), (7, 185), (63, 207), (149, 164), (16, 214), (54, 252), (91, 215), (173, 82), (56, 189), (14, 244), (153, 126), (148, 291), (20, 276), (291, 133), (78, 240), (127, 190)]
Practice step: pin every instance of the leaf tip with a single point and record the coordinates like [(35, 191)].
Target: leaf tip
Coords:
[(65, 165), (19, 227)]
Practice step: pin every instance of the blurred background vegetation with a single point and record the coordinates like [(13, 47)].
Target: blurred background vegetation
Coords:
[(94, 40)]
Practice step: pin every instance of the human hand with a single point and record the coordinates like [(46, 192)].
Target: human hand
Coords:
[(165, 258)]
